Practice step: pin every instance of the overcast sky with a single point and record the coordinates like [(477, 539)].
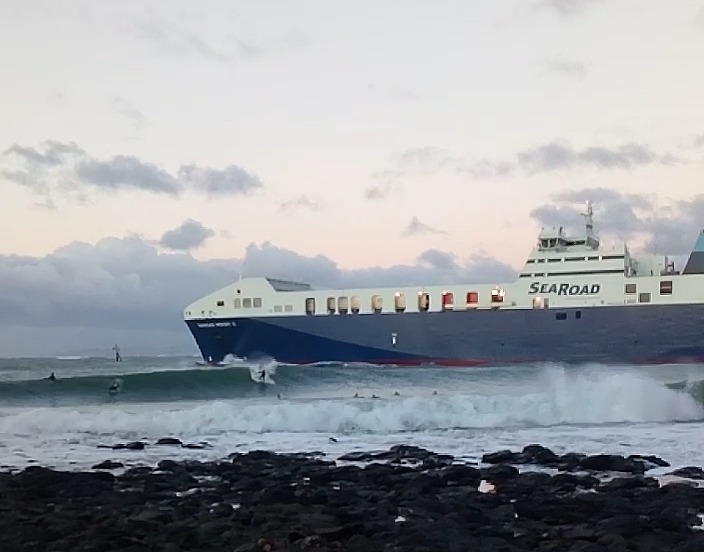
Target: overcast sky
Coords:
[(150, 150)]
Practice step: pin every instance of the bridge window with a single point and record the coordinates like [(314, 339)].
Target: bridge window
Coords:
[(666, 287), (331, 305), (377, 303), (342, 307), (246, 303), (630, 289), (423, 301), (497, 295), (399, 302), (257, 302), (310, 305), (644, 298), (288, 308), (355, 305), (221, 303), (448, 300), (278, 308), (472, 299), (238, 303)]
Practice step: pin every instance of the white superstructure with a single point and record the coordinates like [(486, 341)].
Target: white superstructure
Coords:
[(561, 271)]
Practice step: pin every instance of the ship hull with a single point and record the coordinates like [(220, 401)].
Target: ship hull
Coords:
[(656, 334)]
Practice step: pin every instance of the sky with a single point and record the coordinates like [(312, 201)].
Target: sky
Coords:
[(150, 151)]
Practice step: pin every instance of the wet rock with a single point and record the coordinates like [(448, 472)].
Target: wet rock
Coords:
[(108, 465), (195, 445), (650, 461), (406, 498), (134, 445), (169, 441), (398, 454), (689, 472), (541, 456)]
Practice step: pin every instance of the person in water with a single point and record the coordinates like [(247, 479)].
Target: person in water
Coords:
[(114, 386), (52, 377), (262, 376)]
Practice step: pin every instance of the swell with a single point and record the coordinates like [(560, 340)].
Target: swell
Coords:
[(165, 385)]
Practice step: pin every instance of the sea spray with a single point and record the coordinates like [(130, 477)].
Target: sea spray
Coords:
[(558, 398)]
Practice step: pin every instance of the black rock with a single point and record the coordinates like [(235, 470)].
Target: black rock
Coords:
[(689, 472), (542, 456), (407, 498), (108, 465), (134, 445), (169, 441)]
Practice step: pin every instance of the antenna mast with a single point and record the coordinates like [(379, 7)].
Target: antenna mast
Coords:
[(589, 220)]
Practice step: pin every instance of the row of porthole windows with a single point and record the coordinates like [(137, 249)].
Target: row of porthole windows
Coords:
[(345, 305)]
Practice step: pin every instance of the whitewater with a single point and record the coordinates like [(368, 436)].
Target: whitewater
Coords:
[(335, 409)]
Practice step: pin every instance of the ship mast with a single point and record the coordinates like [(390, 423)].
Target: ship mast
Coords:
[(589, 220), (590, 240)]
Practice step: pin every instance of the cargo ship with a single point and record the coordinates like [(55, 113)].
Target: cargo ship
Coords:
[(574, 301)]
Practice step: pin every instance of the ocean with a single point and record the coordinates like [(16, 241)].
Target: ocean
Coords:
[(462, 411)]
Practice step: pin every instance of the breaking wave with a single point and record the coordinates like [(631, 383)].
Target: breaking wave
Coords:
[(557, 398), (166, 385)]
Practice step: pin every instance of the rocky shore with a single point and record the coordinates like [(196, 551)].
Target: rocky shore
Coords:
[(405, 498)]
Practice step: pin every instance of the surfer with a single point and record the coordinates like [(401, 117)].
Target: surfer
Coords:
[(262, 376), (52, 377), (114, 386)]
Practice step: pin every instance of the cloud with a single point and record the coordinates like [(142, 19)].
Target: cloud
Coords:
[(53, 155), (129, 111), (417, 228), (378, 191), (561, 156), (437, 258), (567, 8), (558, 156), (421, 161), (544, 158), (389, 181), (82, 298), (232, 180), (298, 203), (190, 234), (126, 172), (660, 226), (171, 39), (566, 68), (395, 93), (67, 169)]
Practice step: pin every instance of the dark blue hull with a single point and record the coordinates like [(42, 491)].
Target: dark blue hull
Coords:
[(656, 334)]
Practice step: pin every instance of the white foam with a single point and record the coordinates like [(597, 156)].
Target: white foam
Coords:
[(585, 399), (614, 412), (486, 487)]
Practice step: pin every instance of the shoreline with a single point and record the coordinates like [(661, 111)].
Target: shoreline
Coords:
[(403, 498)]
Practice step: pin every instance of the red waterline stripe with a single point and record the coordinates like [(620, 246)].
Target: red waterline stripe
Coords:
[(445, 362)]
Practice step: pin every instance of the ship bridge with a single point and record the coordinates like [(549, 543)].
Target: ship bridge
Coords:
[(559, 254)]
